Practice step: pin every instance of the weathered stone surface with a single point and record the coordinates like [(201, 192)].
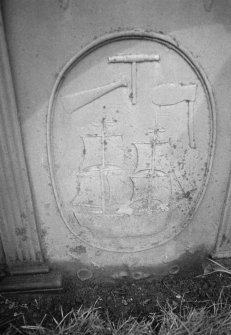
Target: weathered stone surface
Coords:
[(130, 141), (133, 229)]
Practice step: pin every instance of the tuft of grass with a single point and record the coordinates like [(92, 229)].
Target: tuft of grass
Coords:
[(214, 267), (79, 322), (85, 322), (211, 320), (214, 319), (131, 327)]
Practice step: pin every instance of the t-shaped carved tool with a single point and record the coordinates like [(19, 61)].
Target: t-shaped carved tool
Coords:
[(133, 59)]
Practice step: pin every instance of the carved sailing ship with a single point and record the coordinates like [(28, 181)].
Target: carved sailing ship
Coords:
[(101, 175), (152, 187)]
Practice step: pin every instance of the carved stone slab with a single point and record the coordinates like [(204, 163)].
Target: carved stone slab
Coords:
[(130, 138)]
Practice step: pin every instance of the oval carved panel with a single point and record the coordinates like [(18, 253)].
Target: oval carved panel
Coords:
[(130, 136)]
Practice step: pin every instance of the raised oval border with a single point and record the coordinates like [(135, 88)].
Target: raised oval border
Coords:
[(119, 36)]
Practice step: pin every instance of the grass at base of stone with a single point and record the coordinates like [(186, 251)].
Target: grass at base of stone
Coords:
[(175, 305), (211, 320)]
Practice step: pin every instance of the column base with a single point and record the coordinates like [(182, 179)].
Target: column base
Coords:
[(28, 269), (39, 282)]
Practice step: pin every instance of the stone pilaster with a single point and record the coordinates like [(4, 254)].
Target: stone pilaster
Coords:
[(223, 244), (17, 225)]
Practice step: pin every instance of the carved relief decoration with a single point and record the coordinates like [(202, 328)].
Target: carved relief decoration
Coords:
[(130, 137)]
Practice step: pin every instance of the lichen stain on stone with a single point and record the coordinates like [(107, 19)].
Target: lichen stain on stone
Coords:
[(64, 4), (47, 206), (80, 249), (187, 195), (21, 232), (38, 255), (43, 233), (208, 5), (23, 215), (98, 252), (225, 239)]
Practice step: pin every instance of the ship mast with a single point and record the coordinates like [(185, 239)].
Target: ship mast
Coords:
[(150, 172), (152, 169), (108, 162)]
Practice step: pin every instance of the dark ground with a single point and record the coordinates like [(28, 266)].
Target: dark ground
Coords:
[(118, 301)]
